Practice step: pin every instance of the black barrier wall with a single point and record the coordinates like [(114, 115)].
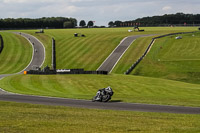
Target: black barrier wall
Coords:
[(71, 71), (148, 48), (1, 44), (53, 54)]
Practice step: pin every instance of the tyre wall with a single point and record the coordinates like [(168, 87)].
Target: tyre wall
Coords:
[(1, 44)]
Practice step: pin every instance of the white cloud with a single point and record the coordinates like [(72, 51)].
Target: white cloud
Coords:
[(166, 8), (81, 0), (14, 1), (102, 11)]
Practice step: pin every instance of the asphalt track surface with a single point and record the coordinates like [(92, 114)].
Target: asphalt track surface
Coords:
[(117, 53), (113, 105), (38, 56), (38, 59), (38, 51)]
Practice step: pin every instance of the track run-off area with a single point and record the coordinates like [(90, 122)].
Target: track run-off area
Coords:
[(38, 59)]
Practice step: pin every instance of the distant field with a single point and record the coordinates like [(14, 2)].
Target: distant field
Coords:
[(173, 59), (23, 118), (134, 89), (16, 55), (90, 51)]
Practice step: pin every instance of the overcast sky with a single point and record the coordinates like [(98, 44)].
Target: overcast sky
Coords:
[(100, 11)]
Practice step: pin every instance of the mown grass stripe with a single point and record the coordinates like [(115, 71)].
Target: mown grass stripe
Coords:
[(16, 55), (77, 54), (173, 59), (9, 57)]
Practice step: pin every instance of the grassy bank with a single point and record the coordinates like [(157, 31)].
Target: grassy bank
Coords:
[(127, 88), (173, 59), (90, 51), (27, 118), (132, 54), (16, 55)]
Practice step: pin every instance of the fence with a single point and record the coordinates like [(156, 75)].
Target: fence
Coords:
[(148, 48), (1, 44)]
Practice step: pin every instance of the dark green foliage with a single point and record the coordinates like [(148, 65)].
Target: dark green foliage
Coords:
[(68, 24), (111, 24), (165, 20), (117, 23), (53, 22), (82, 23), (90, 23)]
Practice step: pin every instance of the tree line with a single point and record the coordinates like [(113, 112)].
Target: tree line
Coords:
[(45, 22), (165, 20), (89, 24)]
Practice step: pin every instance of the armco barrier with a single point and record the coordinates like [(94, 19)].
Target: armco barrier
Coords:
[(71, 71), (148, 48), (1, 44)]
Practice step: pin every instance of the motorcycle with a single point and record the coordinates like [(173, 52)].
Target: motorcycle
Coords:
[(103, 95)]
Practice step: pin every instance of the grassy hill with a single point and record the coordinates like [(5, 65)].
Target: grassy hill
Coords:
[(163, 61), (16, 55), (173, 59), (90, 51)]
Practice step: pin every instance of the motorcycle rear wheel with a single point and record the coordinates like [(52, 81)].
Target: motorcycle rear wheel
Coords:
[(106, 98)]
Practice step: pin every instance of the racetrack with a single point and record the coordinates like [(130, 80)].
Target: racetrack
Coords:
[(38, 59), (117, 53), (113, 105), (38, 51)]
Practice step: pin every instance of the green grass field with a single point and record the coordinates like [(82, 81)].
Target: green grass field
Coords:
[(16, 55), (134, 89), (128, 88), (89, 52), (178, 60), (23, 118), (173, 59)]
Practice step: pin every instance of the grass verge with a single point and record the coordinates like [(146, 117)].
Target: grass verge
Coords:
[(27, 118)]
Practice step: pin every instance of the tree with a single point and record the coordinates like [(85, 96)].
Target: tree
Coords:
[(82, 23), (111, 24), (117, 23), (68, 24), (90, 24), (74, 21)]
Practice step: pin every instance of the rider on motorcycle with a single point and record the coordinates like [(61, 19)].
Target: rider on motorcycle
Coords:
[(102, 92)]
